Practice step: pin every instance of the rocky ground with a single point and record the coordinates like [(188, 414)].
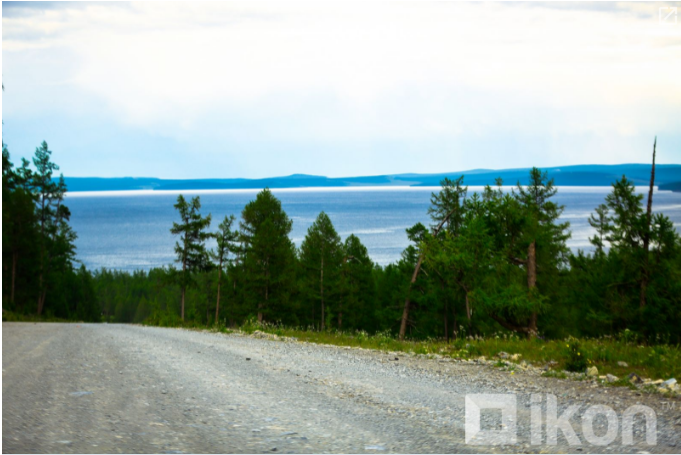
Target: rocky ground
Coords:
[(124, 389)]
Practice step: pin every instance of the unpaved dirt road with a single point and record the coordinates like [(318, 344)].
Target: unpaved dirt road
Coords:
[(120, 388)]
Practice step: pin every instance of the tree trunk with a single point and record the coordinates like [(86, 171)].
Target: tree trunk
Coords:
[(184, 280), (532, 283), (182, 310), (234, 294), (468, 311), (340, 301), (405, 312), (446, 322), (532, 332), (532, 265), (267, 296), (217, 305), (42, 255), (40, 298), (15, 259), (321, 291), (267, 290), (40, 294), (646, 234)]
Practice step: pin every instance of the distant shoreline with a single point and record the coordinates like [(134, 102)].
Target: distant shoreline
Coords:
[(589, 175), (472, 188)]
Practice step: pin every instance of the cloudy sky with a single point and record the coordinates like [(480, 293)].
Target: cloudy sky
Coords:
[(256, 89)]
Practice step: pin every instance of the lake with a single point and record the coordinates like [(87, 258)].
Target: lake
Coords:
[(130, 230)]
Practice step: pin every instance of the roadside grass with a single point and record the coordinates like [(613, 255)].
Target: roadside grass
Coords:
[(10, 316), (660, 361)]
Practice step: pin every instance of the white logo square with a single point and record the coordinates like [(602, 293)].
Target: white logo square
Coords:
[(507, 433)]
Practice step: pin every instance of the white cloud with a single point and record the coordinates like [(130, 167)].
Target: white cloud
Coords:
[(373, 72)]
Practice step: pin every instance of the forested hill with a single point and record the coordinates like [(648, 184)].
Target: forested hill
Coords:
[(673, 186), (578, 175)]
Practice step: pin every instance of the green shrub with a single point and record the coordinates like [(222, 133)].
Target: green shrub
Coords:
[(575, 358)]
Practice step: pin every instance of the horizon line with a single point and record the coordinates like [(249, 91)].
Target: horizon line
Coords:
[(479, 170)]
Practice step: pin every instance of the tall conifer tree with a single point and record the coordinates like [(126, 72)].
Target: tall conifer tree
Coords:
[(190, 249), (226, 243), (321, 256), (269, 255), (51, 215)]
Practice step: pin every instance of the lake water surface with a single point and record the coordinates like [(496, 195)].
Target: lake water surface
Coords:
[(129, 230)]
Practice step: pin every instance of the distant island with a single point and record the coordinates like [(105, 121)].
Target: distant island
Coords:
[(667, 177)]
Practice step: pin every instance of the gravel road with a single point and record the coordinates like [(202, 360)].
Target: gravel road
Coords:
[(126, 389)]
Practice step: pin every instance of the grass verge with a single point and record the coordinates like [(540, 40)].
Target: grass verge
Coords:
[(611, 356), (10, 316)]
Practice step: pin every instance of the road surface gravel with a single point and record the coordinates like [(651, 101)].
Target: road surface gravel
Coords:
[(93, 388)]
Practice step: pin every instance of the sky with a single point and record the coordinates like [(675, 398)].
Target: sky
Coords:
[(259, 89)]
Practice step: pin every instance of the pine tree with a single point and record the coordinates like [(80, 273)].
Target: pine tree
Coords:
[(356, 286), (321, 257), (600, 222), (19, 234), (643, 263), (543, 236), (51, 214), (446, 211), (226, 243), (190, 249), (465, 257), (268, 255)]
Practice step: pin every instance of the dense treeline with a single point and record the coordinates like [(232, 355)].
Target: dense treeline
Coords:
[(490, 261), (38, 251)]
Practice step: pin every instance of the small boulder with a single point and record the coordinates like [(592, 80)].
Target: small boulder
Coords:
[(623, 364), (611, 378), (264, 335), (669, 384), (634, 378), (592, 371), (516, 357)]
